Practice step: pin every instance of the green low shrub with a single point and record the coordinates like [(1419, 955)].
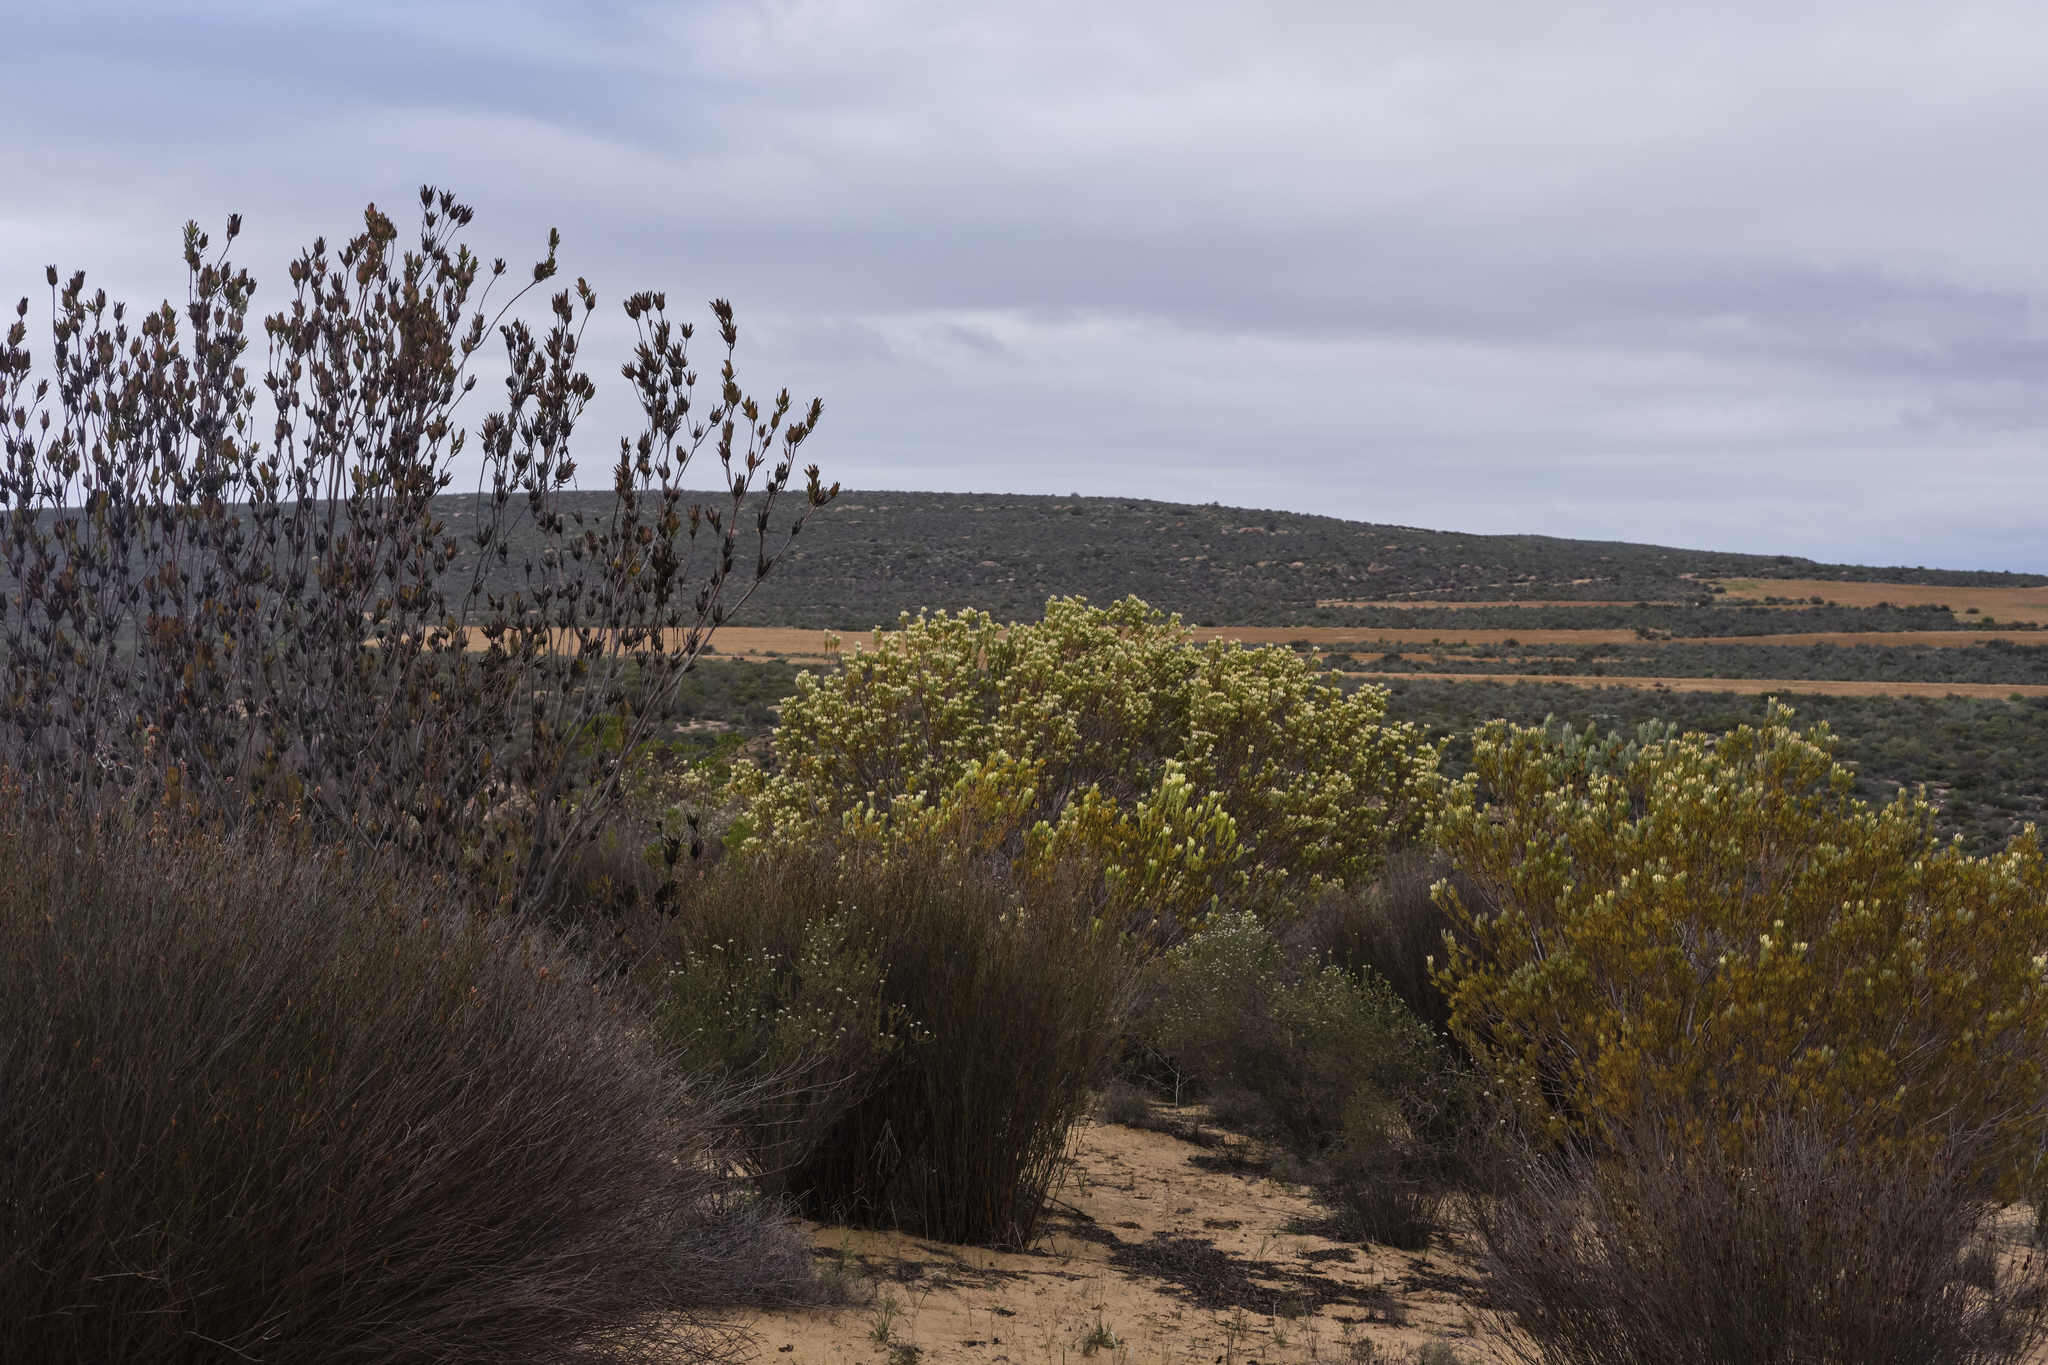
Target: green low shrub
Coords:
[(266, 1103), (1350, 1078), (776, 984)]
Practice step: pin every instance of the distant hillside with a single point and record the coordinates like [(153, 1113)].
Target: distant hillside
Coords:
[(871, 555)]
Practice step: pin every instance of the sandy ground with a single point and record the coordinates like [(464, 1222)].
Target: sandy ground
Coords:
[(1157, 1251)]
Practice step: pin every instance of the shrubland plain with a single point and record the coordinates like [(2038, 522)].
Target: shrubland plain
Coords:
[(544, 924)]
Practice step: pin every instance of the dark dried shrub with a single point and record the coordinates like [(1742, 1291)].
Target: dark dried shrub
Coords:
[(267, 1103), (1378, 1192), (613, 894), (1393, 929), (1125, 1104), (278, 605), (1815, 1246), (1361, 1091), (977, 1016)]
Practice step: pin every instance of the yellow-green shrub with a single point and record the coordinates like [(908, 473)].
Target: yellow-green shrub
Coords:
[(1709, 928), (1104, 736)]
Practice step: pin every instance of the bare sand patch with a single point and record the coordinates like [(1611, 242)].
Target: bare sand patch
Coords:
[(1152, 1257)]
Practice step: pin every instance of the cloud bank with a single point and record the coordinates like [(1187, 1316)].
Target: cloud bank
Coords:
[(1754, 277)]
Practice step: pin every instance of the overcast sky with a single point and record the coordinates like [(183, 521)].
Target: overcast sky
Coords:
[(1759, 275)]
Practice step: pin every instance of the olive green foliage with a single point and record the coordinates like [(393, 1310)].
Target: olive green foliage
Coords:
[(1103, 736), (1315, 1042), (730, 1003), (1392, 930), (1702, 928), (1980, 757)]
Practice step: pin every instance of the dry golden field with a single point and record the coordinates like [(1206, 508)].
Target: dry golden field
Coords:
[(2001, 604), (812, 646), (1750, 687), (809, 646), (735, 642), (1421, 605), (1344, 637)]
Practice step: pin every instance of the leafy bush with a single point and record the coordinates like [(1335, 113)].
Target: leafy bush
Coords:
[(1099, 735), (1352, 1079), (1715, 928), (267, 1103), (944, 1023), (1804, 1247), (276, 607)]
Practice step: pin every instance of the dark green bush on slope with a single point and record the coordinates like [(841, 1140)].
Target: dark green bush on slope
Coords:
[(258, 1105)]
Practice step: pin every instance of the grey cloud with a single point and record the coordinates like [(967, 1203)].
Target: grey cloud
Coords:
[(1738, 274)]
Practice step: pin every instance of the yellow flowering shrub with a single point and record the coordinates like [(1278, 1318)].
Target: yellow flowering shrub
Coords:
[(1714, 928), (1106, 736)]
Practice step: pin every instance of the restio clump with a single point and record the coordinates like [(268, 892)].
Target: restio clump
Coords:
[(271, 1101)]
